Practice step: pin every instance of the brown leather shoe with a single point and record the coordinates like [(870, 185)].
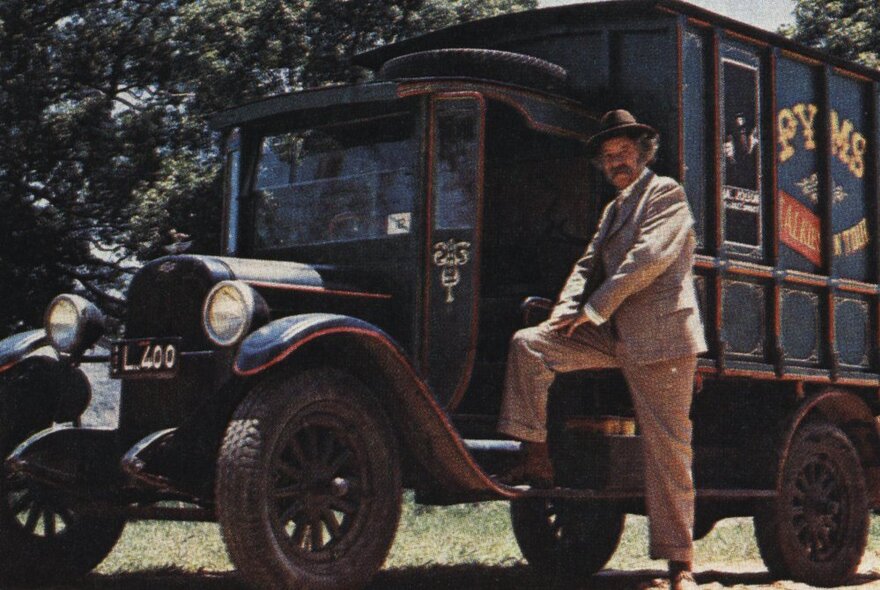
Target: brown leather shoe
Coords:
[(682, 580)]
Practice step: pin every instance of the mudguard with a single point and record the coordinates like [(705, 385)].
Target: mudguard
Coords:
[(848, 411), (18, 346), (38, 390), (364, 349)]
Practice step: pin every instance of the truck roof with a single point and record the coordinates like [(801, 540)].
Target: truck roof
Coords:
[(500, 31), (315, 98)]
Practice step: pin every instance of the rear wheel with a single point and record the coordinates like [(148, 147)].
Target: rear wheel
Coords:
[(816, 530), (308, 483), (564, 538)]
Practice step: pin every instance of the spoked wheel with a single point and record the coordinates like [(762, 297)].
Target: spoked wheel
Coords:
[(46, 538), (308, 485), (318, 489), (35, 513), (564, 538), (816, 530)]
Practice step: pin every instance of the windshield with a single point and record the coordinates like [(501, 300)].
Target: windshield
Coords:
[(351, 181)]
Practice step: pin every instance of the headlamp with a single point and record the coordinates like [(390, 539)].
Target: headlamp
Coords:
[(73, 323), (231, 309)]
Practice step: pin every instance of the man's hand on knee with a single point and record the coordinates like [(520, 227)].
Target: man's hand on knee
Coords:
[(569, 323)]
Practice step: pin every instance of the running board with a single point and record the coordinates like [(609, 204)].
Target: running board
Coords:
[(611, 495), (492, 455), (492, 446)]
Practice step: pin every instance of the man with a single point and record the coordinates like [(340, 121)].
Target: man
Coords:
[(629, 303), (741, 154)]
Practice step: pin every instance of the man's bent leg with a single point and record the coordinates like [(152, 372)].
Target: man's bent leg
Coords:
[(536, 355), (662, 394)]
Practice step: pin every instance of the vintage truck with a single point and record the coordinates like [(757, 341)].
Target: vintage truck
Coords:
[(382, 241)]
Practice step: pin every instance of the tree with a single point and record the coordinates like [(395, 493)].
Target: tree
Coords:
[(845, 28), (104, 148)]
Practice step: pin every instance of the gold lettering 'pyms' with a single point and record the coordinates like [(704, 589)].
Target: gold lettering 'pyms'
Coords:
[(847, 144)]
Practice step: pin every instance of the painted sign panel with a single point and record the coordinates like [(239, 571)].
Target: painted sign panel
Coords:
[(802, 187), (848, 164), (797, 160)]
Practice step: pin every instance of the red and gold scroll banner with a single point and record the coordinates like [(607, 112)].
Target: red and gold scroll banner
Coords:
[(800, 228)]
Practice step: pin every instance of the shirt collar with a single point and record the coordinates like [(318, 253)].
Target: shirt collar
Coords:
[(626, 192)]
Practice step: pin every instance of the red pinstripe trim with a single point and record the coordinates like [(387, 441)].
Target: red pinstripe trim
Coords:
[(853, 75), (9, 365), (769, 375), (679, 41), (810, 61), (426, 394), (699, 23), (745, 38), (422, 353), (716, 141), (319, 290)]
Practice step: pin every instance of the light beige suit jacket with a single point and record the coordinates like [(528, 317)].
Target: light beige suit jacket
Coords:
[(646, 285)]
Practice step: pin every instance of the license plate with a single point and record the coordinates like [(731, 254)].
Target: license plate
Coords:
[(145, 357)]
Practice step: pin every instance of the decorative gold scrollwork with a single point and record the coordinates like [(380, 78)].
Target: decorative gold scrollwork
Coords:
[(449, 256)]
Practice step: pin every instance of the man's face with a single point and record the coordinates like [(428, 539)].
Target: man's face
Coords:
[(620, 161)]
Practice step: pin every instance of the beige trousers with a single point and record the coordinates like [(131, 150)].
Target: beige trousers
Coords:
[(661, 394)]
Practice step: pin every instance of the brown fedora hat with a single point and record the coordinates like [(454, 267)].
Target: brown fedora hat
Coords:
[(615, 123)]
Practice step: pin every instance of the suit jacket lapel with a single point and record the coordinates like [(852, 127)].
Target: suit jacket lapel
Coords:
[(609, 216), (629, 205)]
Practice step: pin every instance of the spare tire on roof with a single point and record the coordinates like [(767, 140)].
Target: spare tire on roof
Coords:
[(485, 64)]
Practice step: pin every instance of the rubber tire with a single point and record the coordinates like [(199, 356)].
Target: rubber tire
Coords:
[(30, 559), (565, 539), (484, 64), (783, 554), (257, 542)]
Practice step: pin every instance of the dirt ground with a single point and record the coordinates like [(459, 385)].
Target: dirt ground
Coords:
[(476, 577)]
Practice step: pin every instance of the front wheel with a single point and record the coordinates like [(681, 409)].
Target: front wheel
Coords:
[(44, 537), (308, 483), (564, 538), (816, 529)]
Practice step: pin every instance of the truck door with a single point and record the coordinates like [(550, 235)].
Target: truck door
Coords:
[(452, 245)]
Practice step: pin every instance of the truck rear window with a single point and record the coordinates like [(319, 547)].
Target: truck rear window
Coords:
[(345, 182)]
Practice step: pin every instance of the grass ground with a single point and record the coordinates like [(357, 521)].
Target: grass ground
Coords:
[(461, 547), (467, 547)]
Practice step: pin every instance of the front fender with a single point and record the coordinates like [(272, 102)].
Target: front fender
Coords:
[(18, 346), (425, 430), (37, 391), (277, 340)]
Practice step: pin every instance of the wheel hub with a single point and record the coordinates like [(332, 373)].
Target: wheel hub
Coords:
[(316, 488)]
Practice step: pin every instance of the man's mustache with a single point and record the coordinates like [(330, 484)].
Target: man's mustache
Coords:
[(622, 168)]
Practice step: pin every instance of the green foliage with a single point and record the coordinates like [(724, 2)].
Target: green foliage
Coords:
[(104, 148), (846, 28)]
